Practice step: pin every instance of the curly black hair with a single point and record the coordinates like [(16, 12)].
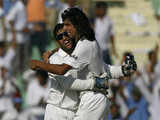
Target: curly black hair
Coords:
[(80, 22)]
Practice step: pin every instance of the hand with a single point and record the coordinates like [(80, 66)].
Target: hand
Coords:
[(129, 66), (46, 56), (102, 82), (34, 64)]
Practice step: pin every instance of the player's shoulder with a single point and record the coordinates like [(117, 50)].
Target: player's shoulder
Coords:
[(87, 43), (55, 52), (84, 45), (54, 56), (85, 48), (90, 44)]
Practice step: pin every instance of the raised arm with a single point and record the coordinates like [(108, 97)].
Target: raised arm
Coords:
[(128, 68)]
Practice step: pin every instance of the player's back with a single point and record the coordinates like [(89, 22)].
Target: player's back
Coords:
[(88, 58)]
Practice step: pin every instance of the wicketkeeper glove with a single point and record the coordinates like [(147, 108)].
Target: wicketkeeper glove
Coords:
[(101, 82), (129, 66)]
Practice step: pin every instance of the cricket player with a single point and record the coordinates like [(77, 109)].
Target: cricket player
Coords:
[(86, 59), (87, 53), (64, 96)]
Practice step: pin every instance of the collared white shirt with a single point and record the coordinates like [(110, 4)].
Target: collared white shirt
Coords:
[(17, 14), (103, 31), (85, 60), (58, 95), (87, 56)]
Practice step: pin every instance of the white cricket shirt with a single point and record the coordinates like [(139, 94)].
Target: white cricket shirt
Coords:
[(58, 96)]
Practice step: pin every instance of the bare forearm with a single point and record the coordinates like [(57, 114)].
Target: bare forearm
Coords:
[(52, 68)]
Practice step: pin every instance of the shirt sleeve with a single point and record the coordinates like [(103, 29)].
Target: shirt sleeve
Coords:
[(71, 83), (116, 71)]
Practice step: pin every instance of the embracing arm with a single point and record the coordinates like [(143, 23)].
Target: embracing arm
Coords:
[(59, 69), (52, 68), (66, 82), (70, 83)]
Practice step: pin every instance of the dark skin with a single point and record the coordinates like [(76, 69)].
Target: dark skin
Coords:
[(53, 68)]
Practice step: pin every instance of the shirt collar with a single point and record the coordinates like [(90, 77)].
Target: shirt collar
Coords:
[(62, 53)]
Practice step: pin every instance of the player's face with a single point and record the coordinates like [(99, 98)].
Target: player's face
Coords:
[(70, 29), (65, 41)]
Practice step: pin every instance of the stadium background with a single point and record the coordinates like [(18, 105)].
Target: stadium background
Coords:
[(120, 11), (139, 39)]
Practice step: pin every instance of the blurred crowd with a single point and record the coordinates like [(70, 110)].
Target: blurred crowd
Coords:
[(23, 93)]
